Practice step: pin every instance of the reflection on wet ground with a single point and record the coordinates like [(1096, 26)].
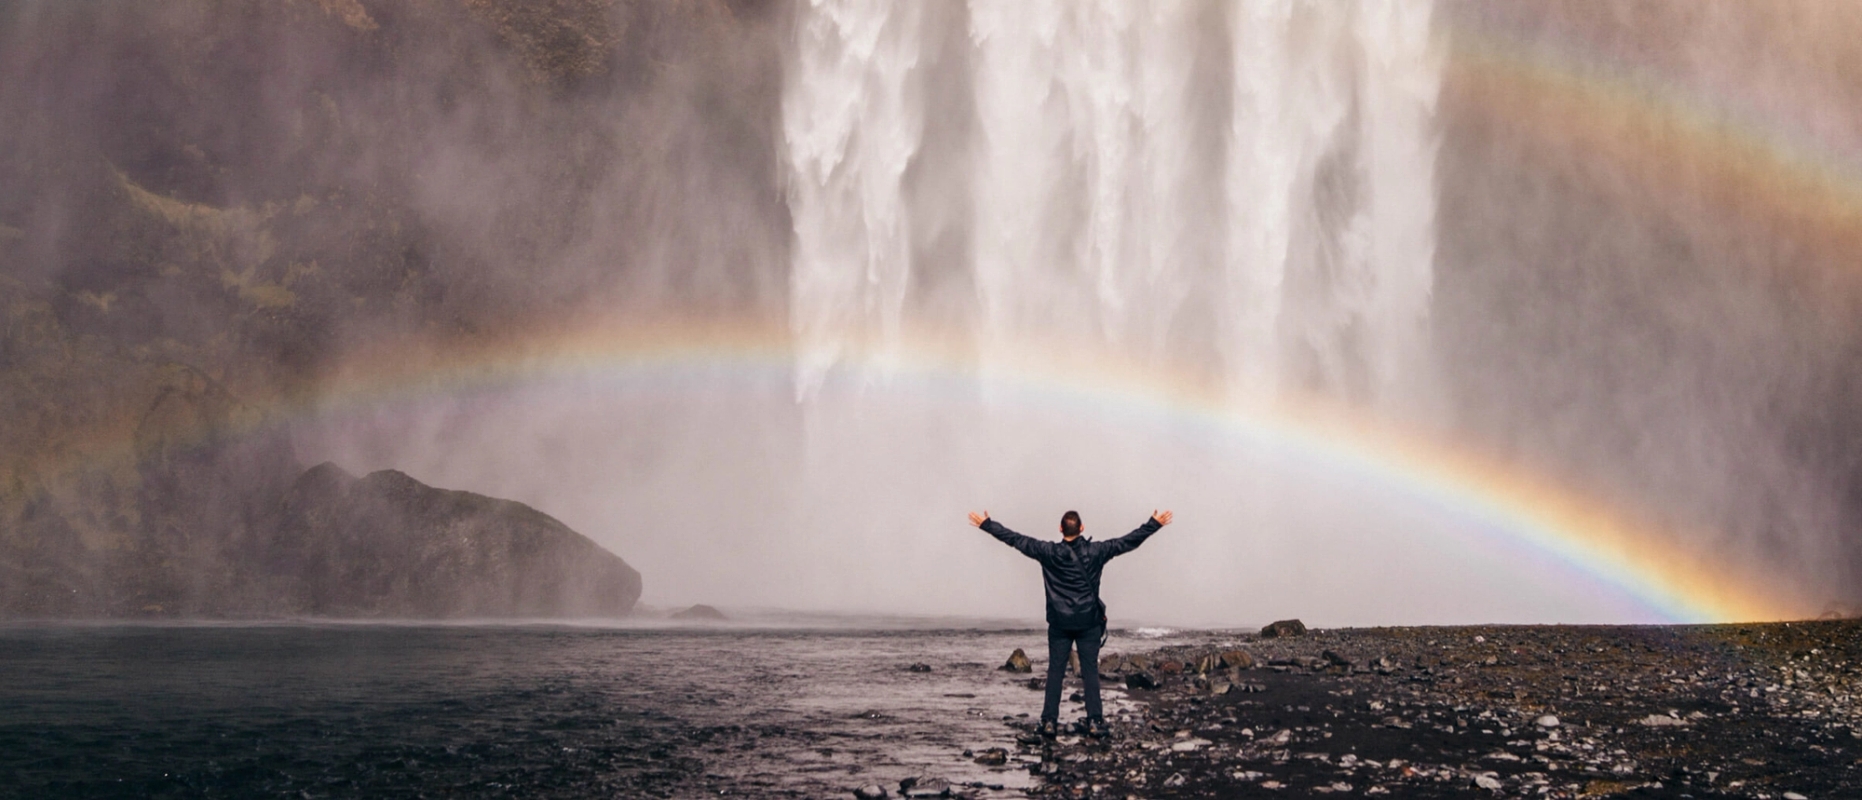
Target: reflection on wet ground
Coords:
[(535, 711)]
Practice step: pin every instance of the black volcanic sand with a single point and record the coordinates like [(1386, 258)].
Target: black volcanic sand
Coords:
[(1755, 711)]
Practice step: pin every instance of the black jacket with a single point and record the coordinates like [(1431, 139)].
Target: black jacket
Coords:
[(1071, 570)]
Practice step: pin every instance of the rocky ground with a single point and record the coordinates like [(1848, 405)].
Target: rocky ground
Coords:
[(1751, 711)]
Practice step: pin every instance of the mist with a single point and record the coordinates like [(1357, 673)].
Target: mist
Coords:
[(1358, 207)]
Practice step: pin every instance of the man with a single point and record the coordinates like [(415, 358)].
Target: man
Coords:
[(1075, 614)]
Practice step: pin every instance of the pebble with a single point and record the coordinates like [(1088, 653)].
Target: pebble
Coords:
[(1762, 718)]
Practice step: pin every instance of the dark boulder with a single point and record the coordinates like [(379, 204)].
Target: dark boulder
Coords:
[(1141, 680), (386, 545), (700, 613), (1283, 628)]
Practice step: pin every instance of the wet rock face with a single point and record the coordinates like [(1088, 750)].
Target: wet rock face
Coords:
[(259, 191), (386, 545)]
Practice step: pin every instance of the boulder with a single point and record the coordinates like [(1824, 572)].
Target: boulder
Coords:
[(1018, 662), (993, 757), (1142, 679), (700, 613), (1284, 628), (1238, 659), (386, 545), (919, 667), (871, 791), (1336, 659)]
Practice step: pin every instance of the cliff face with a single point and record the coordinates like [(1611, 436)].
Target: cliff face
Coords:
[(210, 202)]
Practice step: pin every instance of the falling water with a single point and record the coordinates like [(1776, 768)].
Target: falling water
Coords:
[(1245, 187)]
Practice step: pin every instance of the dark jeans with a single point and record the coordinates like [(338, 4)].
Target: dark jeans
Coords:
[(1059, 642)]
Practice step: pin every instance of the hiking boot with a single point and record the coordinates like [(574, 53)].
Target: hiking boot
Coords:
[(1048, 729), (1098, 729)]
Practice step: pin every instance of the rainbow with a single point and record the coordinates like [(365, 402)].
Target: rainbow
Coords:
[(1528, 511), (1671, 150), (1658, 145)]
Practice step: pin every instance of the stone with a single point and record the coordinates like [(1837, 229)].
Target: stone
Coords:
[(1175, 781), (1546, 721), (1018, 662), (1141, 680), (924, 787), (1170, 667), (1037, 683), (993, 757), (1488, 782), (1284, 628), (871, 791), (1335, 658), (1661, 721), (1238, 659)]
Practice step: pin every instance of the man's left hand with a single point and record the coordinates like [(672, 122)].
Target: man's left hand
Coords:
[(1162, 517), (978, 519)]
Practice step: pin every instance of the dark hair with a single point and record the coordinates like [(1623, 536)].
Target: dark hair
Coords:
[(1070, 523)]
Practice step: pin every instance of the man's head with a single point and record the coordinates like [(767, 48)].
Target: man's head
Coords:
[(1070, 524)]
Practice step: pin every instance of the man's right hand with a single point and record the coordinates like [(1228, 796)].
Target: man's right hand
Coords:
[(1162, 517), (978, 519)]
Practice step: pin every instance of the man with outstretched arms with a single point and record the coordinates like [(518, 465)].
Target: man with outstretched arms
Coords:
[(1075, 614)]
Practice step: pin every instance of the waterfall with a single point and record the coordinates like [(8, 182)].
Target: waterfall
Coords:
[(852, 118), (1245, 187)]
